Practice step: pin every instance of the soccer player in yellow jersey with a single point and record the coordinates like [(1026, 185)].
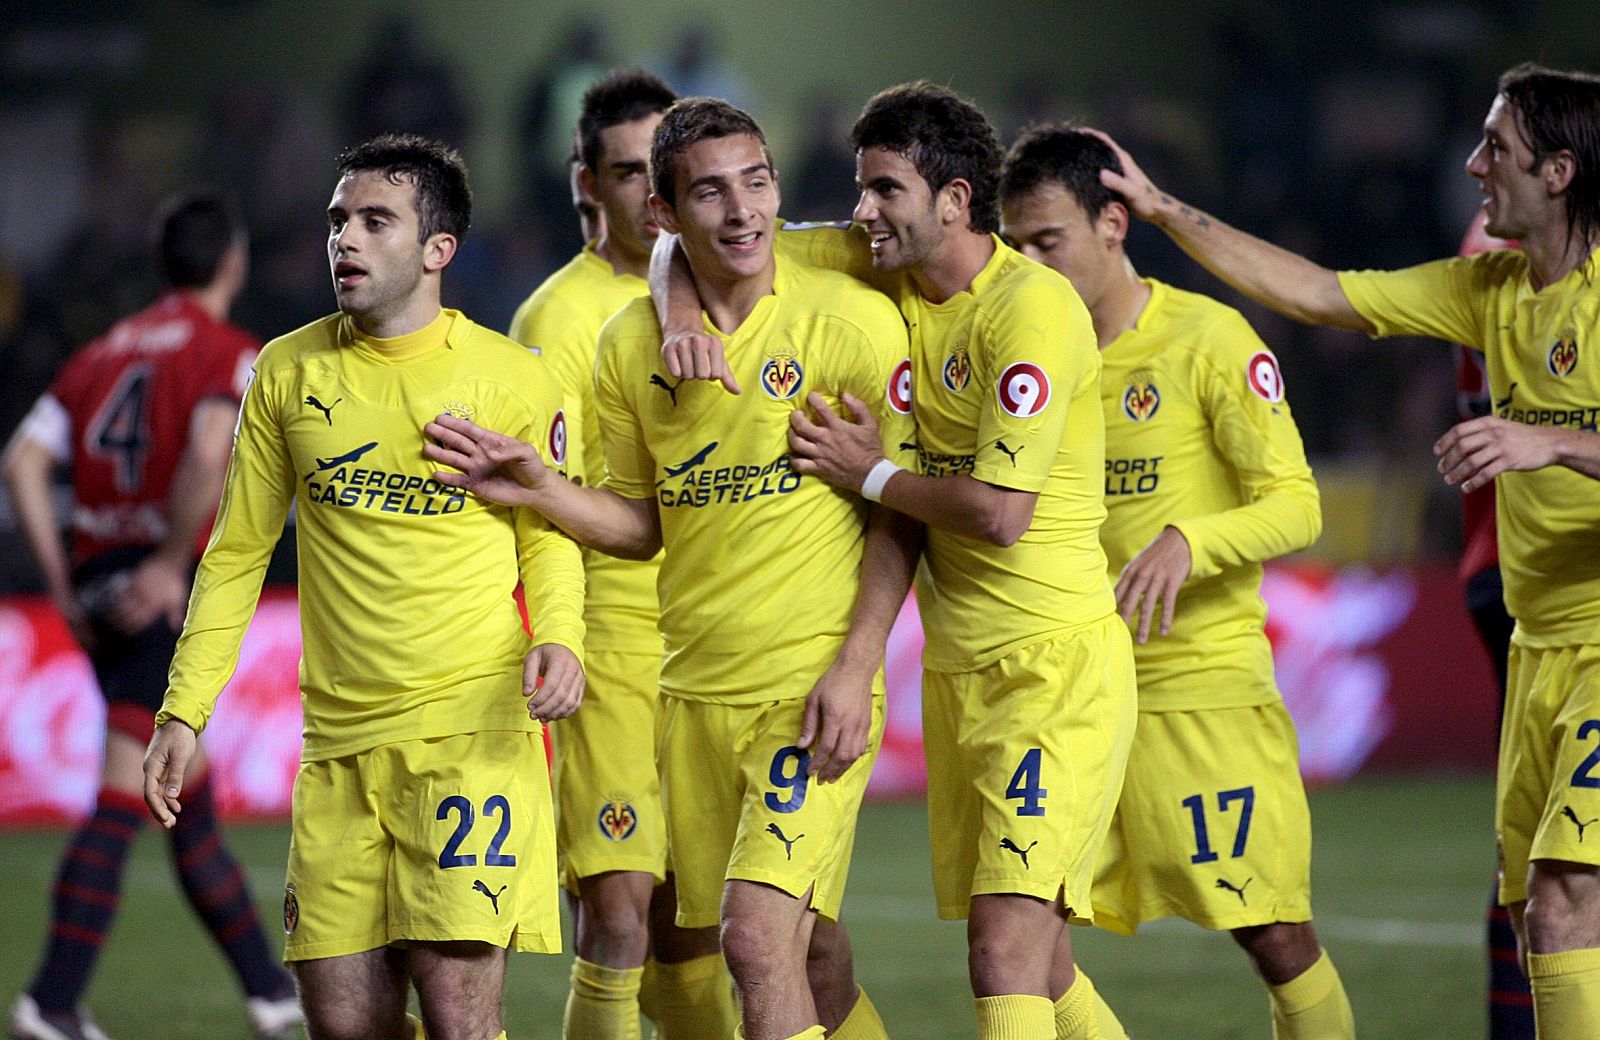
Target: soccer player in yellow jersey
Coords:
[(1028, 691), (777, 591), (1536, 317), (422, 841), (1205, 478), (611, 835)]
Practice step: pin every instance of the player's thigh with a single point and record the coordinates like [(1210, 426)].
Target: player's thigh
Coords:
[(355, 995), (471, 820), (335, 901), (701, 792), (460, 986), (795, 833), (1569, 823), (608, 792), (1213, 820)]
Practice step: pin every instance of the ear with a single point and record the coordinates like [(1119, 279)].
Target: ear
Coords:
[(438, 251), (665, 219), (955, 198), (586, 183), (1113, 223), (1558, 171)]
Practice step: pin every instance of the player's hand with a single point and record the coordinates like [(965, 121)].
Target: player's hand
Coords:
[(694, 354), (1144, 198), (1473, 453), (840, 451), (165, 762), (157, 589), (837, 721), (1154, 576), (552, 680), (490, 465)]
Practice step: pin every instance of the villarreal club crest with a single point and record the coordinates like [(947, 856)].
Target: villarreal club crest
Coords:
[(618, 820), (1141, 400), (957, 370), (1563, 356), (781, 377)]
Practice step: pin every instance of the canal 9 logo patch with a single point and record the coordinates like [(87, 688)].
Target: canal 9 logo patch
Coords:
[(1023, 390), (899, 392), (558, 438), (781, 377), (1140, 401), (1563, 357), (1265, 380)]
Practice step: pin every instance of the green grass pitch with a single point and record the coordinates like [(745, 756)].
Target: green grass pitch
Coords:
[(1402, 872)]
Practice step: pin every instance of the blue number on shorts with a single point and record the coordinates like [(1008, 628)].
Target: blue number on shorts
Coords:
[(1025, 784), (449, 857), (1196, 804), (498, 805), (794, 781), (1584, 776)]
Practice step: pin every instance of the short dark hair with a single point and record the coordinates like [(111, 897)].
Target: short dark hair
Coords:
[(192, 234), (1060, 153), (943, 135), (434, 169), (618, 97), (688, 122), (1559, 111)]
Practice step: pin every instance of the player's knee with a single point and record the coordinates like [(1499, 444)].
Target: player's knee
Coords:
[(1563, 907), (615, 924), (346, 1022), (1280, 951), (756, 952)]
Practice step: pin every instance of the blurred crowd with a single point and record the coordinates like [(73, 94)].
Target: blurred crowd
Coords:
[(1338, 135)]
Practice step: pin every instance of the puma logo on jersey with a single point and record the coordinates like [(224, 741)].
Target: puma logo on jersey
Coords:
[(788, 843), (1011, 846), (670, 388), (1224, 883), (1012, 455), (493, 897), (1505, 402), (326, 410), (1566, 810)]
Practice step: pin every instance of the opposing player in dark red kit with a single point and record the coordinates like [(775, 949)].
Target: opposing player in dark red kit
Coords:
[(145, 416)]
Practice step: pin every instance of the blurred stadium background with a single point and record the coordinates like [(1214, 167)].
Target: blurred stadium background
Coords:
[(1337, 129)]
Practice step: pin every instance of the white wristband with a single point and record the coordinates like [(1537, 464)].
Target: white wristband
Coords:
[(877, 477)]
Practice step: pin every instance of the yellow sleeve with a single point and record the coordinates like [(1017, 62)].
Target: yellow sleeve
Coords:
[(256, 494), (1036, 350), (1437, 299), (548, 562), (1242, 394), (557, 333), (840, 246), (630, 468), (883, 381)]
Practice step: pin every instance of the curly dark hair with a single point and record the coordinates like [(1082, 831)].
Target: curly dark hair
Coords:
[(1560, 111), (686, 123), (192, 233), (943, 135), (1064, 154), (434, 169), (618, 97)]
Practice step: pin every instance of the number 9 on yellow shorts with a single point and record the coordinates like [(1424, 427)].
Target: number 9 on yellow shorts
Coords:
[(423, 840)]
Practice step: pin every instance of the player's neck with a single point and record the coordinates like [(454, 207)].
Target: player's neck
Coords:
[(1118, 308), (416, 313), (729, 301), (960, 258), (215, 299), (1555, 252), (622, 262)]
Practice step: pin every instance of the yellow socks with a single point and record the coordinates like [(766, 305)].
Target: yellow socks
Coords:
[(1566, 993), (1312, 1006), (689, 1000), (603, 1003), (1015, 1016), (862, 1023), (1081, 1014)]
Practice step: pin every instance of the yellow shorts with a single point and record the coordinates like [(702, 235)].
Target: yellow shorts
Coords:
[(608, 794), (1025, 760), (1213, 824), (740, 806), (1547, 789), (423, 840)]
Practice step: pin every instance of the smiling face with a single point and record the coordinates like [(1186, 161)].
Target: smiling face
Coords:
[(1048, 225), (377, 262), (726, 207), (898, 210), (1515, 198), (622, 186)]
